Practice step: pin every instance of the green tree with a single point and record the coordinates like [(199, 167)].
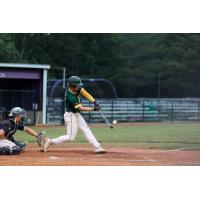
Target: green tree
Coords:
[(140, 65), (8, 50)]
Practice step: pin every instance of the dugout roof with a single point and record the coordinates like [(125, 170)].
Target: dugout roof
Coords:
[(29, 72), (22, 65)]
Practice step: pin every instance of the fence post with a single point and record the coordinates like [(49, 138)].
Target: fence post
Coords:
[(143, 110), (172, 111), (89, 115), (112, 109), (34, 107)]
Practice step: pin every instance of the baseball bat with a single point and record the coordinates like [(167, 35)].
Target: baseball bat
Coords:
[(106, 119)]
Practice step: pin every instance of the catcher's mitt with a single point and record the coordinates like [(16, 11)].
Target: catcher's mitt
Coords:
[(40, 137)]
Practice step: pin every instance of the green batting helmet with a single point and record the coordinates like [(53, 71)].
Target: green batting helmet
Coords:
[(74, 81)]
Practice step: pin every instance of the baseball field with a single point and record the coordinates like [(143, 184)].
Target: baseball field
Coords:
[(135, 144)]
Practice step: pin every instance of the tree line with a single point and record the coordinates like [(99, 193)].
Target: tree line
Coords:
[(139, 65)]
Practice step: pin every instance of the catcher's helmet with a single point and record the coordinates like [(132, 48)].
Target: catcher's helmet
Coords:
[(74, 81), (17, 111)]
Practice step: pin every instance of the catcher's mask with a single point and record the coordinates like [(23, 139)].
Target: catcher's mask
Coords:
[(17, 111)]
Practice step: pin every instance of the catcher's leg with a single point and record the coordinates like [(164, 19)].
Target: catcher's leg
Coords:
[(5, 150), (21, 145), (9, 148)]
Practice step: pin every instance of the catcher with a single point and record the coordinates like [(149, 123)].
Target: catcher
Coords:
[(15, 121), (73, 118)]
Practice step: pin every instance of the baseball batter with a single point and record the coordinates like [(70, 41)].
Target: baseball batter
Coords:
[(73, 118), (15, 121)]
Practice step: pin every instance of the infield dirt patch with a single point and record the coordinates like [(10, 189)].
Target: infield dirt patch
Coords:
[(82, 155)]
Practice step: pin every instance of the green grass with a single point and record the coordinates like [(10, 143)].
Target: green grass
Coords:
[(162, 136)]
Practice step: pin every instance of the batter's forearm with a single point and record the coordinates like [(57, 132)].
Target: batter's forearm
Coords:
[(88, 96), (87, 109)]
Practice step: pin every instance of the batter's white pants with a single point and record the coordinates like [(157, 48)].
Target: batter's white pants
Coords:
[(6, 143), (75, 121)]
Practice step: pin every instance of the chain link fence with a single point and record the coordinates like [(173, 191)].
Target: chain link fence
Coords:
[(26, 99), (132, 110)]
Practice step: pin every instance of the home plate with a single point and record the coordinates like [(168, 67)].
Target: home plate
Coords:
[(53, 158)]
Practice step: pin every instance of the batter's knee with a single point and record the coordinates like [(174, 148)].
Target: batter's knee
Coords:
[(10, 150)]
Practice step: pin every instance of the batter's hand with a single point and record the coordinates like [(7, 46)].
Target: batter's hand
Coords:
[(40, 138), (96, 106)]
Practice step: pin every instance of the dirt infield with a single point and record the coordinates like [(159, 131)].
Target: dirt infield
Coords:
[(76, 155)]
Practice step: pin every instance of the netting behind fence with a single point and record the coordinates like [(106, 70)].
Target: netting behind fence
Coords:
[(26, 99), (132, 110)]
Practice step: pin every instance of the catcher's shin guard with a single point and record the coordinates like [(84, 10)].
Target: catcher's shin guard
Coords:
[(5, 150), (22, 146), (10, 150), (16, 150)]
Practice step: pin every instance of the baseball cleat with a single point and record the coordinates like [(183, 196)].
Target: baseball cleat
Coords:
[(47, 143), (99, 150)]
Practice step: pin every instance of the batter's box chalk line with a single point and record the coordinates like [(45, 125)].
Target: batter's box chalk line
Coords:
[(54, 158)]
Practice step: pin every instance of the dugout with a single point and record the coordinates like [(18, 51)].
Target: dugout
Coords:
[(24, 85)]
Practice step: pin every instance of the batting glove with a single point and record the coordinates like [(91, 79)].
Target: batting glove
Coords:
[(96, 106)]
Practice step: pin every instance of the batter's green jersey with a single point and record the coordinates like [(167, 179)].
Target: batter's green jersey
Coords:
[(72, 101)]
